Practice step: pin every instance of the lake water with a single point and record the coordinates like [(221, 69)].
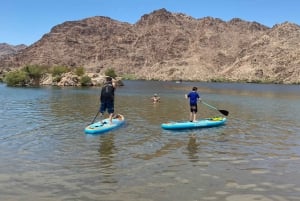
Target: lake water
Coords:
[(46, 156)]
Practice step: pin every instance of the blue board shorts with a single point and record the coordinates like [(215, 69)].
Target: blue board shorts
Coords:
[(107, 105)]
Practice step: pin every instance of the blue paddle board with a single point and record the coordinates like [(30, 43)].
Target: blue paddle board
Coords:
[(104, 125), (202, 123)]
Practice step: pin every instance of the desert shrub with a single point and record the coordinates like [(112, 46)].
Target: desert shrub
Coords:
[(59, 70), (34, 71), (111, 73), (57, 78), (16, 78), (85, 81), (79, 71)]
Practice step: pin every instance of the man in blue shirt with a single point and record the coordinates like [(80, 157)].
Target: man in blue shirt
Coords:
[(194, 97)]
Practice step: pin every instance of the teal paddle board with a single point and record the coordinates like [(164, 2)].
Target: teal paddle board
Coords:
[(104, 125), (202, 123)]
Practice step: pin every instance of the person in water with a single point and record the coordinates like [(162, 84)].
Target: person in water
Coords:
[(155, 98), (194, 98), (107, 98)]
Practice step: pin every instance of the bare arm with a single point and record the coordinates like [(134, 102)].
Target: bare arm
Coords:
[(114, 84)]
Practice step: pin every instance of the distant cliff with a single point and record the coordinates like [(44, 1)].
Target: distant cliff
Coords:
[(6, 49), (170, 46)]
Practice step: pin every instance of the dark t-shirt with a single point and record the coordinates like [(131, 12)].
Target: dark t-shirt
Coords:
[(107, 92), (193, 96)]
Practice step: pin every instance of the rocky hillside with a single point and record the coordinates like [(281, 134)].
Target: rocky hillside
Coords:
[(170, 46), (6, 49)]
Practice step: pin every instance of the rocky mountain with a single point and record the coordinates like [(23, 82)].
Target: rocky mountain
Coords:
[(6, 49), (171, 46)]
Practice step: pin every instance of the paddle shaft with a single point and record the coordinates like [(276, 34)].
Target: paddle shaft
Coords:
[(224, 112), (209, 105), (95, 117)]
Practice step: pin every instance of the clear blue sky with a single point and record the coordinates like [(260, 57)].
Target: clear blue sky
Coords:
[(26, 21)]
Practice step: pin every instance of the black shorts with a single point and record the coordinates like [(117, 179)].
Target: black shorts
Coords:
[(107, 105), (194, 108)]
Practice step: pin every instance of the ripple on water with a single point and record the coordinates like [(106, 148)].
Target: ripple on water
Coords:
[(46, 155), (250, 197)]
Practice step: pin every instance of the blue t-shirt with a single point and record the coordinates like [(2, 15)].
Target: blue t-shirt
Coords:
[(193, 96)]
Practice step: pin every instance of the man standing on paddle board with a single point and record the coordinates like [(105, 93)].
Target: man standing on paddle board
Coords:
[(107, 98), (194, 97)]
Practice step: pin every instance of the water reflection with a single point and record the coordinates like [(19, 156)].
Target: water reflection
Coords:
[(192, 148), (107, 152)]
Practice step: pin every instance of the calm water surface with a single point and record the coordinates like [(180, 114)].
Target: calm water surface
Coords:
[(46, 156)]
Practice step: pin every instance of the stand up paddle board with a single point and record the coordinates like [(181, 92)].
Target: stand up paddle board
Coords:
[(203, 123), (104, 125)]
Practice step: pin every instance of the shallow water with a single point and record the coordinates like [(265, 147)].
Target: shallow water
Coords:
[(45, 154)]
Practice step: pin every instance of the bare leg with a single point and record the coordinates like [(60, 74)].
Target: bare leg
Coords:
[(110, 117), (194, 117), (191, 116)]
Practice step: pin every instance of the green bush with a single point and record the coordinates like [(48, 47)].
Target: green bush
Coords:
[(57, 78), (111, 73), (16, 78), (85, 81), (59, 70), (34, 71), (79, 71)]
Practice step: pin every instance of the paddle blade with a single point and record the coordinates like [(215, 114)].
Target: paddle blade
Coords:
[(224, 112)]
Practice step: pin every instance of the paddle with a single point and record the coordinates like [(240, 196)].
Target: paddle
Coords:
[(224, 112), (95, 117)]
